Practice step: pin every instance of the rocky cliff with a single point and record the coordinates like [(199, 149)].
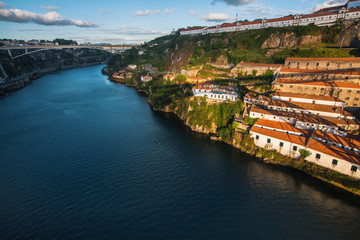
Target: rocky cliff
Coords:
[(16, 72), (174, 53)]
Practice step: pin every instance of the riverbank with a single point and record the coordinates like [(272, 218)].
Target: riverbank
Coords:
[(27, 78), (181, 108)]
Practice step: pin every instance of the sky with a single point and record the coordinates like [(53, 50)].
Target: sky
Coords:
[(133, 21)]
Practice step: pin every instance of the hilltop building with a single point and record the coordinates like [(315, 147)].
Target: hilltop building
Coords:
[(323, 17)]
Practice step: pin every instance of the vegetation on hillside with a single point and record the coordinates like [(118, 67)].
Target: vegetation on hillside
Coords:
[(236, 46)]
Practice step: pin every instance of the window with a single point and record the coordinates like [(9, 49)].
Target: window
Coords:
[(318, 156), (281, 144), (349, 91), (356, 99), (257, 137), (295, 148), (354, 168), (347, 98), (268, 140)]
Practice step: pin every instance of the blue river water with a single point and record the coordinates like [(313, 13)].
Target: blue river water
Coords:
[(79, 160)]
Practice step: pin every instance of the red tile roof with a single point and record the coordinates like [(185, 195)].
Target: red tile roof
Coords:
[(306, 96), (250, 23), (322, 84), (349, 59), (279, 135), (282, 126), (353, 143), (306, 106), (318, 14), (280, 19), (336, 152), (193, 28), (306, 118), (321, 71)]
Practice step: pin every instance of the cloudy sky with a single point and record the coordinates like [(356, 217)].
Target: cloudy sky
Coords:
[(133, 21)]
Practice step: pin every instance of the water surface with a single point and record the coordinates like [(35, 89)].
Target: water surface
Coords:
[(79, 160)]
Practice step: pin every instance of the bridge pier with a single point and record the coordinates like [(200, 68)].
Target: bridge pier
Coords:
[(26, 51), (9, 51)]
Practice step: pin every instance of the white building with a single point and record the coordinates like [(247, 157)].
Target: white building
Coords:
[(211, 93), (332, 157), (304, 98), (325, 17)]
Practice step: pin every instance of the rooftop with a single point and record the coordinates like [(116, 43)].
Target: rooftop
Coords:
[(321, 84), (320, 71), (305, 96), (279, 135), (333, 151), (353, 143), (350, 59), (306, 118), (282, 126), (307, 106)]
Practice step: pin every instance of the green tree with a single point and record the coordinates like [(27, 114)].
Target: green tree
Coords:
[(304, 153)]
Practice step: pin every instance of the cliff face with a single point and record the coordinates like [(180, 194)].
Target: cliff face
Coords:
[(350, 37), (290, 40)]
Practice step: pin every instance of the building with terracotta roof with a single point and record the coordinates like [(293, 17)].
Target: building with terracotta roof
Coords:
[(341, 75), (323, 63), (338, 141), (334, 126), (347, 92), (306, 98), (330, 156), (310, 109), (324, 17)]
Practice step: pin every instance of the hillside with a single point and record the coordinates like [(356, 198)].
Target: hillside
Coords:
[(272, 45)]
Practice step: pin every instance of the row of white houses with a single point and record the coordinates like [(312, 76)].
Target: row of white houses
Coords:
[(319, 18), (323, 154)]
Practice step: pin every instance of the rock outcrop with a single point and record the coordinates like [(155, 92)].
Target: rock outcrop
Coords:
[(350, 37), (290, 40)]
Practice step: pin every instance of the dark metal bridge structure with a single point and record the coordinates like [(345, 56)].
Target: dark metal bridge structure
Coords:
[(33, 49)]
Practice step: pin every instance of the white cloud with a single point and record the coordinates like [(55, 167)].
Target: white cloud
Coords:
[(50, 18), (50, 8), (216, 17), (234, 2), (157, 12), (2, 4), (193, 12), (330, 3), (169, 11), (145, 13)]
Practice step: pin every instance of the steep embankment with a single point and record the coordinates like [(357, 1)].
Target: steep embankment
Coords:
[(22, 70), (173, 53)]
